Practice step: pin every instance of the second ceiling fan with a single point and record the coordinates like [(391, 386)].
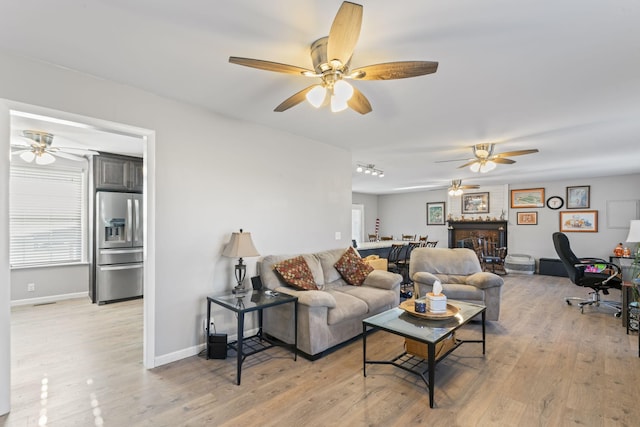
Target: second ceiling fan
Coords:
[(485, 160), (331, 57)]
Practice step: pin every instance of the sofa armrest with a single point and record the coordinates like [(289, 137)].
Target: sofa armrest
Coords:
[(424, 277), (484, 280), (382, 279), (310, 298)]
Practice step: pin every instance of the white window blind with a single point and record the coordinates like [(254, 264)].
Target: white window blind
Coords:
[(47, 216)]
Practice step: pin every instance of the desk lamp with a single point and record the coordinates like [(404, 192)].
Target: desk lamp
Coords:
[(240, 246)]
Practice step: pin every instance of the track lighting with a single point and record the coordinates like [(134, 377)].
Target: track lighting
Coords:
[(369, 169)]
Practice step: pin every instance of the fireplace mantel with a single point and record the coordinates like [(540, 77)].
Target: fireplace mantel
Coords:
[(493, 230)]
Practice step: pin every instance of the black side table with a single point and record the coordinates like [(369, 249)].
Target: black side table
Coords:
[(252, 301)]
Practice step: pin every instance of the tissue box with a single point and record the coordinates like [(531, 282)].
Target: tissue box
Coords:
[(436, 303)]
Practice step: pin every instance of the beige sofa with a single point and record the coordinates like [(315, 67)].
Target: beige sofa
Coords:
[(461, 276), (331, 315)]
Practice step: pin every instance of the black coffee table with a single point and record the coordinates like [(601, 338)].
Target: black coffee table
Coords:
[(430, 332)]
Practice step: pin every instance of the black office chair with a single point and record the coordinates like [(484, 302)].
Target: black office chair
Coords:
[(593, 273)]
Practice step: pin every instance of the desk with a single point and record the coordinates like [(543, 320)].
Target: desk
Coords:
[(242, 304), (625, 263), (629, 304)]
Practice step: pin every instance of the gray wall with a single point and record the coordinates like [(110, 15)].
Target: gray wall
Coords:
[(405, 213), (207, 176)]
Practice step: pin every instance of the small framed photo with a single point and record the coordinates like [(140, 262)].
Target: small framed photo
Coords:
[(527, 198), (435, 213), (579, 221), (578, 197), (475, 203), (527, 218)]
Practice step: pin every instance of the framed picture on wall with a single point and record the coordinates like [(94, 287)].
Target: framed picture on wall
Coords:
[(527, 198), (435, 213), (579, 221), (578, 197), (475, 203), (527, 218)]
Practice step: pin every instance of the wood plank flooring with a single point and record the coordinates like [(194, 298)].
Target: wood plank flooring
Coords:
[(77, 364)]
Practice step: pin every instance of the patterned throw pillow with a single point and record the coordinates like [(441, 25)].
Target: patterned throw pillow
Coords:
[(296, 272), (352, 268)]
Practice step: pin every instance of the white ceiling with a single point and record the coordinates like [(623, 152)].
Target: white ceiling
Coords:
[(561, 76)]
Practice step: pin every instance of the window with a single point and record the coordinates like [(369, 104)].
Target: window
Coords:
[(47, 215)]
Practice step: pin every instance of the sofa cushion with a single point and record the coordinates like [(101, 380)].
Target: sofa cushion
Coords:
[(376, 299), (327, 260), (296, 272), (352, 268), (347, 307)]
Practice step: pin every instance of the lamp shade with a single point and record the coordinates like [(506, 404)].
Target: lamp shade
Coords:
[(634, 231), (240, 246)]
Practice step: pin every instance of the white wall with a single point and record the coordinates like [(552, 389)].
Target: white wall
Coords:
[(51, 283), (405, 213), (5, 324), (207, 176), (370, 203), (535, 240)]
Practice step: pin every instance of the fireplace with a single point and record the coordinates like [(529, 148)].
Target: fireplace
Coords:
[(460, 232)]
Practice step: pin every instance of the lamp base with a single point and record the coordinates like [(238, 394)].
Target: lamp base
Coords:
[(240, 289)]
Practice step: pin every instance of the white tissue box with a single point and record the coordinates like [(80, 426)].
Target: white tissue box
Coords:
[(436, 303)]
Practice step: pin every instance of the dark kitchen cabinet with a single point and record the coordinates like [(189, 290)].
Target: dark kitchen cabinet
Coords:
[(118, 173)]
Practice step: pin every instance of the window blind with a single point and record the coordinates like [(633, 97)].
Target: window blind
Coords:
[(47, 215)]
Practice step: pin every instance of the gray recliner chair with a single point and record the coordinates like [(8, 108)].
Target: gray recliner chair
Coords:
[(461, 276)]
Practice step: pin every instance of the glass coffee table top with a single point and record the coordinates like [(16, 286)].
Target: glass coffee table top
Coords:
[(400, 322)]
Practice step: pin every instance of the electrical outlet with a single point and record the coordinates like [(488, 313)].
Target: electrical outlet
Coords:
[(31, 287)]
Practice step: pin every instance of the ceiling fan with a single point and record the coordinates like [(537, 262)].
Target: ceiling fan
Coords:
[(37, 146), (486, 161), (457, 188), (331, 57)]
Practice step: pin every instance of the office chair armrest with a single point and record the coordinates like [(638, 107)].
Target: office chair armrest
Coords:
[(614, 268)]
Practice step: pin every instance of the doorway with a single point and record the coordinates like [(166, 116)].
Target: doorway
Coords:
[(100, 132)]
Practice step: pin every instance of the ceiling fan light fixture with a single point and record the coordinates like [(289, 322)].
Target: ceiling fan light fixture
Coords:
[(45, 159), (475, 167), (487, 166), (28, 156), (338, 104), (343, 90), (317, 96)]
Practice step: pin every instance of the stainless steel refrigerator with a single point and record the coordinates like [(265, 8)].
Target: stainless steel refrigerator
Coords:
[(118, 252)]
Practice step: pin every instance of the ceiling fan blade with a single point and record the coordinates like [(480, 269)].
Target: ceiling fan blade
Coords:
[(516, 153), (468, 164), (454, 160), (359, 102), (469, 187), (503, 161), (395, 70), (293, 100), (67, 156), (77, 151), (15, 151), (344, 32), (269, 66)]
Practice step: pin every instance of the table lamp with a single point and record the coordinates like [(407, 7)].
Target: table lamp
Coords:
[(634, 234), (240, 246)]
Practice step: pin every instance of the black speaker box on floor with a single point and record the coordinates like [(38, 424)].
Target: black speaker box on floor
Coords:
[(217, 346)]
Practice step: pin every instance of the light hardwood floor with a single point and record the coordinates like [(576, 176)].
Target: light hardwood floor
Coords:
[(77, 364)]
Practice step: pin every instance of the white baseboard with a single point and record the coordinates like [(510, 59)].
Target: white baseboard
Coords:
[(192, 351), (49, 299)]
